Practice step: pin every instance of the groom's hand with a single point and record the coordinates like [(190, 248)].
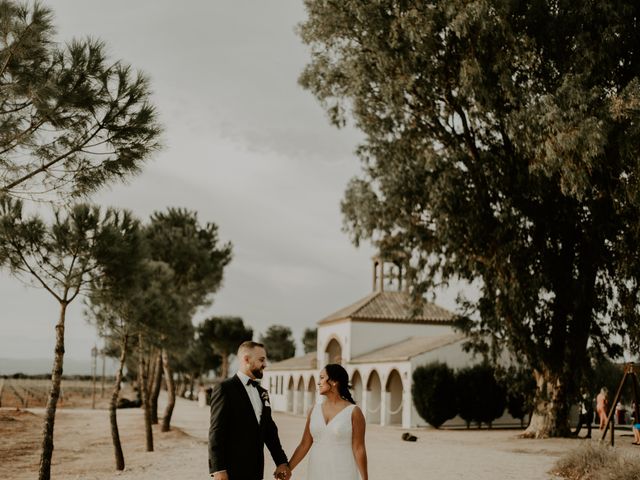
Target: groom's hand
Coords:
[(220, 475), (282, 472)]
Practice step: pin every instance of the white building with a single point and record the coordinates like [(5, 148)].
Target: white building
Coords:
[(380, 343)]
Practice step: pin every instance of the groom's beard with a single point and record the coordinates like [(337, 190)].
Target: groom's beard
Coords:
[(257, 373)]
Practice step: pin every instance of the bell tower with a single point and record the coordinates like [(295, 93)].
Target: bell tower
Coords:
[(388, 274)]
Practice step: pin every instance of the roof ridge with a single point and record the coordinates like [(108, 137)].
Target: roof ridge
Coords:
[(338, 314), (394, 306), (370, 298)]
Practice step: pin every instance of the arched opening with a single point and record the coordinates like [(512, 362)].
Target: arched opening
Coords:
[(374, 397), (290, 388), (394, 387), (299, 403), (333, 352), (356, 384), (311, 389)]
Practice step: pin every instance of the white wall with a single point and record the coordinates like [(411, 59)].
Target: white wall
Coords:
[(341, 331), (453, 355), (280, 400), (368, 336)]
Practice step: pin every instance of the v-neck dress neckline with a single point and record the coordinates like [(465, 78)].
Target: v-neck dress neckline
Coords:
[(331, 454), (326, 424)]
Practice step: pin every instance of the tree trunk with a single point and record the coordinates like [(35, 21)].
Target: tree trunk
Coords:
[(192, 384), (113, 406), (155, 392), (224, 368), (144, 393), (550, 417), (151, 371), (52, 401), (181, 389), (171, 392)]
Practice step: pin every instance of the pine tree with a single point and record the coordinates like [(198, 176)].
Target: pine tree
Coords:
[(71, 120)]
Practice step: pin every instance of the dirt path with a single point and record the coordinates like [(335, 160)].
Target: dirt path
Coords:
[(83, 449)]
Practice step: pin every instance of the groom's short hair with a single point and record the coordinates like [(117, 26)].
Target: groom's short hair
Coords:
[(246, 347)]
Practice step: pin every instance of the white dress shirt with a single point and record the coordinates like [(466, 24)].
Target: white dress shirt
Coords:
[(254, 395)]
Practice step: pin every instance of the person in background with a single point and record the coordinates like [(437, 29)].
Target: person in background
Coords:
[(636, 434), (586, 413), (602, 406)]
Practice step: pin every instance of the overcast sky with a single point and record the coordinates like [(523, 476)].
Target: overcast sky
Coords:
[(245, 147)]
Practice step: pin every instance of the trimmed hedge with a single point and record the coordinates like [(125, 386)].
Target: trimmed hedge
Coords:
[(433, 392), (474, 393)]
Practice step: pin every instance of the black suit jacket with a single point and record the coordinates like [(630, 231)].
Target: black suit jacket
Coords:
[(236, 439)]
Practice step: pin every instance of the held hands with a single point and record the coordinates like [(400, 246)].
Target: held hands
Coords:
[(282, 472)]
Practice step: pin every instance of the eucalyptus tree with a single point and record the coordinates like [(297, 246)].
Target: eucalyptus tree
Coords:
[(193, 253), (225, 334), (62, 258), (70, 118), (501, 146), (278, 341)]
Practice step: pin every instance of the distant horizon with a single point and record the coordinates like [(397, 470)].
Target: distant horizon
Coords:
[(44, 365)]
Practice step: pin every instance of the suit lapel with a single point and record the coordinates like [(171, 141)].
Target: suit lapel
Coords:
[(245, 396)]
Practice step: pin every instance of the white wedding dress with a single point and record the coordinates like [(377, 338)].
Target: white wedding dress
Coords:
[(331, 456)]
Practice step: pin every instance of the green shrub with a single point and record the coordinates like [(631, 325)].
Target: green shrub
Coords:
[(433, 393), (465, 395), (520, 388), (479, 396)]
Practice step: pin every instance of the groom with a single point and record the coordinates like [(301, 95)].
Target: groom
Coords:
[(241, 423)]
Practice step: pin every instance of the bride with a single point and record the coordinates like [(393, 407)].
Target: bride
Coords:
[(334, 425)]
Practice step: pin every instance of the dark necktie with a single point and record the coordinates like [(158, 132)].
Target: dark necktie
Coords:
[(253, 383)]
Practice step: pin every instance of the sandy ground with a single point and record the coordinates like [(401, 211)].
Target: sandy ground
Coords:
[(83, 448)]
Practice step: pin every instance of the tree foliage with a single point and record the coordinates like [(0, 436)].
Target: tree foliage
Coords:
[(191, 250), (225, 334), (434, 393), (70, 118), (199, 358), (278, 342), (501, 150), (310, 340)]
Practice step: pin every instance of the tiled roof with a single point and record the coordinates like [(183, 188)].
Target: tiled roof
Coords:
[(409, 348), (306, 362), (390, 306)]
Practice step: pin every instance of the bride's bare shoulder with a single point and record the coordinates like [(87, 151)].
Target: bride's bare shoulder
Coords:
[(357, 412)]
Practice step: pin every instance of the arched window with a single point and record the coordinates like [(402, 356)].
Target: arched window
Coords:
[(333, 352)]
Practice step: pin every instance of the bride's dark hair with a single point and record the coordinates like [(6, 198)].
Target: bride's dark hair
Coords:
[(338, 374)]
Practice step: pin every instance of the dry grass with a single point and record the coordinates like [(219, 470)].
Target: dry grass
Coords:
[(597, 461)]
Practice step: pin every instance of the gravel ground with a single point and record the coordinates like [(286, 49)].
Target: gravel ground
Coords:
[(83, 448)]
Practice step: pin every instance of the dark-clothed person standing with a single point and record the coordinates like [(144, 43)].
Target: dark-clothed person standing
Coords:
[(241, 423)]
